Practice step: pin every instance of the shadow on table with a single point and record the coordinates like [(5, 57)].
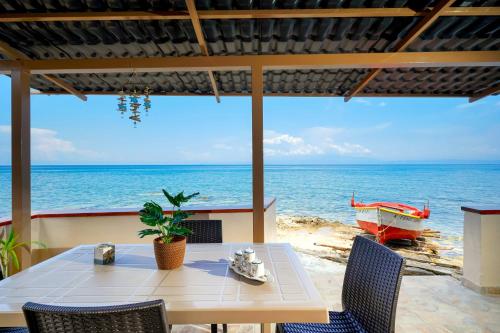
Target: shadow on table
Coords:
[(135, 261), (219, 268)]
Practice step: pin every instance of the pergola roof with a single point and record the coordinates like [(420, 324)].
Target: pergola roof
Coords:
[(41, 30)]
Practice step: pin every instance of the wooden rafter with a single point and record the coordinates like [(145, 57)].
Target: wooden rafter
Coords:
[(240, 14), (195, 21), (244, 62), (64, 85), (14, 54), (417, 30), (237, 94), (485, 93), (471, 11)]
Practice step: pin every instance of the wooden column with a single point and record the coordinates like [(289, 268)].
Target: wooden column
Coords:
[(257, 154), (21, 162)]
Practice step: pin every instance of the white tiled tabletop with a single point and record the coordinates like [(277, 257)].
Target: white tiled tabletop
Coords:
[(204, 290)]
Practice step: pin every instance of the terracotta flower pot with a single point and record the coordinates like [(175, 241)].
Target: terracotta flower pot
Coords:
[(170, 256)]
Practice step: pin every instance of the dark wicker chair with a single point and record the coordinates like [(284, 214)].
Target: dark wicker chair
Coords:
[(147, 317), (205, 231), (369, 295)]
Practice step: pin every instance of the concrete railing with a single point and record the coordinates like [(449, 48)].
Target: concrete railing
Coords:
[(481, 249), (62, 230)]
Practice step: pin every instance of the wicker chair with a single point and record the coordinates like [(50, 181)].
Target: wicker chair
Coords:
[(205, 231), (369, 295), (147, 317)]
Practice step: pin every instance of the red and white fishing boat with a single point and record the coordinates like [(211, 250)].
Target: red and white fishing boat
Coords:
[(390, 220)]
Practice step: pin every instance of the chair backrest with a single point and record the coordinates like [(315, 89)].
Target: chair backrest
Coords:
[(371, 285), (143, 317), (204, 231)]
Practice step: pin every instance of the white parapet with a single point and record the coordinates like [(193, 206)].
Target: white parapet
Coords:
[(62, 230), (481, 270)]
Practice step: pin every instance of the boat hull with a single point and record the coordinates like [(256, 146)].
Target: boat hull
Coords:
[(388, 224)]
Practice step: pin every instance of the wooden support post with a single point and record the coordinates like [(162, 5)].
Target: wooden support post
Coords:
[(21, 162), (258, 154)]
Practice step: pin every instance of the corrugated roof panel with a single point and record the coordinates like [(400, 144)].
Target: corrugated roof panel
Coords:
[(158, 38), (460, 34), (434, 81), (121, 5)]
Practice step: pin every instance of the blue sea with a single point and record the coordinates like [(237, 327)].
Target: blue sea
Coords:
[(319, 190)]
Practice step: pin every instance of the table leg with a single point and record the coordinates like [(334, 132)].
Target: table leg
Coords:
[(267, 328)]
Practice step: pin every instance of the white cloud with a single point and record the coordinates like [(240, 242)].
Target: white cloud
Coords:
[(381, 126), (222, 146), (4, 129), (282, 144), (300, 150), (316, 141), (47, 146), (46, 142), (274, 138), (367, 102), (347, 148), (468, 105), (361, 101)]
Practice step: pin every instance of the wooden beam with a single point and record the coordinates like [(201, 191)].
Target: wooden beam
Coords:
[(236, 94), (11, 53), (485, 93), (21, 163), (268, 62), (471, 11), (64, 85), (195, 21), (94, 16), (213, 82), (240, 14), (14, 54), (306, 13), (416, 31), (6, 66), (258, 153), (423, 24), (339, 13)]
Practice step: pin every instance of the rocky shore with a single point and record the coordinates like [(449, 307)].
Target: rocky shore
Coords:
[(332, 240)]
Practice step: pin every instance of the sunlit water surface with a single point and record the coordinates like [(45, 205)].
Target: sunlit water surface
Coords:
[(322, 191)]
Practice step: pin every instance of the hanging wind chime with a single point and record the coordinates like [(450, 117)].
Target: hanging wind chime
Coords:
[(134, 100)]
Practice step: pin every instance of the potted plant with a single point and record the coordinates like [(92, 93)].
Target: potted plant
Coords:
[(170, 244), (8, 246)]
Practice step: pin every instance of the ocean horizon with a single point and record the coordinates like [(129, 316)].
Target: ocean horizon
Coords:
[(322, 190)]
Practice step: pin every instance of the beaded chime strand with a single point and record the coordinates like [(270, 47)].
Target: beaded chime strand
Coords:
[(134, 102), (134, 108)]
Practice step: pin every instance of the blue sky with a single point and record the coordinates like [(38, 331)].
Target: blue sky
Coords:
[(197, 130)]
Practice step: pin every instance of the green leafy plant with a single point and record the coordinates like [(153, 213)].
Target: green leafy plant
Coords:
[(8, 245), (166, 226)]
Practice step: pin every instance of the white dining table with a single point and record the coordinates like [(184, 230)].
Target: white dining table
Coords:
[(204, 290)]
